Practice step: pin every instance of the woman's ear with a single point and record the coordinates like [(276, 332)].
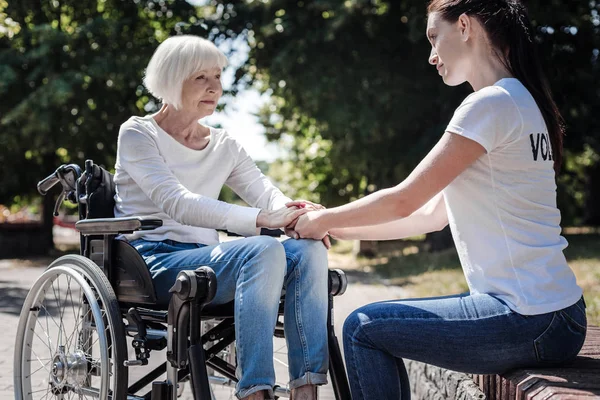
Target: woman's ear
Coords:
[(465, 27)]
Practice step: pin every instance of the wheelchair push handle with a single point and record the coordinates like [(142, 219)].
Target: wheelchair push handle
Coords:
[(67, 175), (46, 184)]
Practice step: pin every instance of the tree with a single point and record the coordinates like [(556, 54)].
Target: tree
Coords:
[(71, 73), (350, 81)]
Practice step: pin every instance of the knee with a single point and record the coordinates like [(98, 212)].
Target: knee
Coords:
[(269, 253), (308, 251), (354, 323), (267, 246), (351, 323)]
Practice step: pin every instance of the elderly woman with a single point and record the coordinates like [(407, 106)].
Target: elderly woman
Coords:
[(172, 167)]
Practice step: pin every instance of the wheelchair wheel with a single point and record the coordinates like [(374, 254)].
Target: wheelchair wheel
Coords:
[(70, 338)]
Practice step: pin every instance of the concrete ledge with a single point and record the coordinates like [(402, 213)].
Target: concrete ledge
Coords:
[(434, 383)]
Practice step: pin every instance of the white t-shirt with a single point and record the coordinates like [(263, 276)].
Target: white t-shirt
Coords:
[(502, 209), (160, 177)]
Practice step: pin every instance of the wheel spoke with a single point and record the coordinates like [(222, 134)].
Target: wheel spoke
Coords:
[(51, 317), (37, 391), (43, 366), (46, 395), (77, 324), (36, 356), (39, 337), (57, 301), (75, 315)]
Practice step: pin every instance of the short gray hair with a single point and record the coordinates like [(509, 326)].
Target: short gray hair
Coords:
[(175, 60)]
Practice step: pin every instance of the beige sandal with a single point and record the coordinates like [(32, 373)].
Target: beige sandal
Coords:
[(306, 392)]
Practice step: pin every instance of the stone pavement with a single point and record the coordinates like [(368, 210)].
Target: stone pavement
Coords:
[(16, 276)]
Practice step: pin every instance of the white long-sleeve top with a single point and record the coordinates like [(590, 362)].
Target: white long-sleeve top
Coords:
[(160, 177)]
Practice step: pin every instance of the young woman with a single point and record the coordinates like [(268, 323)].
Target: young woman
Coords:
[(172, 167), (492, 178)]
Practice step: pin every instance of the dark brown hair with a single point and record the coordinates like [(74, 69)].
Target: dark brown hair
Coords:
[(510, 32)]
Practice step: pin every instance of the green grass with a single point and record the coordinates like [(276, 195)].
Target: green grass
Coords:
[(583, 255), (425, 274)]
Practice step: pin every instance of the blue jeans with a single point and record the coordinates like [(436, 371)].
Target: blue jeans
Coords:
[(475, 334), (252, 273)]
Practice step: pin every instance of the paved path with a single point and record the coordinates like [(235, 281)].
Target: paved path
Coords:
[(17, 276)]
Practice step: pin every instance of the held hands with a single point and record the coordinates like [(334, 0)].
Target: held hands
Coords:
[(279, 218), (309, 226), (292, 231)]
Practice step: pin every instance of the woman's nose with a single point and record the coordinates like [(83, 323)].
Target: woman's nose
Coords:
[(433, 57), (213, 86)]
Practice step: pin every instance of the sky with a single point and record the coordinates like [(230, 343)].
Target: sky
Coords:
[(239, 117)]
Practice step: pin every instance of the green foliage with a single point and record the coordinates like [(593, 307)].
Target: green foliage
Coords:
[(352, 78), (70, 74)]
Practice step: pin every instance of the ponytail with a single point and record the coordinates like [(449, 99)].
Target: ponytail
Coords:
[(510, 31), (524, 63)]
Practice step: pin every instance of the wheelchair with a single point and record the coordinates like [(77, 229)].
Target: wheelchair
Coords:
[(90, 322)]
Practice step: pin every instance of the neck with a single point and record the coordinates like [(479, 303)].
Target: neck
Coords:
[(486, 70), (180, 123)]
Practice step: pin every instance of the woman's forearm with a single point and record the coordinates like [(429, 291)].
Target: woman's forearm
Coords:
[(429, 218), (380, 207)]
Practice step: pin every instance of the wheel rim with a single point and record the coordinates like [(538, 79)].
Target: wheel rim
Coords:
[(62, 341)]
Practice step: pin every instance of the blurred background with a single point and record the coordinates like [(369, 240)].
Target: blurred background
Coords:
[(333, 98)]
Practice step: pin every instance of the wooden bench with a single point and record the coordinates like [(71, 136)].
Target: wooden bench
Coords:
[(579, 380)]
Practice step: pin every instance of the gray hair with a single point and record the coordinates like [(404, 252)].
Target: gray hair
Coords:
[(175, 60)]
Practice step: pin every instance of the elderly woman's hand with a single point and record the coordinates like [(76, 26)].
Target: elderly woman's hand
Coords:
[(279, 218), (309, 205), (309, 226), (305, 204)]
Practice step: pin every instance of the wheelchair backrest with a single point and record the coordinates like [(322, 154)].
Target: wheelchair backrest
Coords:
[(122, 264)]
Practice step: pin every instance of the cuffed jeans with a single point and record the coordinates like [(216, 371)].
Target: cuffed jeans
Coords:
[(252, 272), (468, 333)]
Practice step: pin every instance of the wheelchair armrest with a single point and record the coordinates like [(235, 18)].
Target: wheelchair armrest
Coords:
[(115, 226), (337, 282)]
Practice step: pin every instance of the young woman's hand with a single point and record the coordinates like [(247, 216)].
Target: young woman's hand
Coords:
[(281, 218), (309, 226), (309, 205)]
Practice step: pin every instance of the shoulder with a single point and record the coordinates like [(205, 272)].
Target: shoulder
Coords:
[(138, 125), (493, 103), (225, 141), (137, 130), (495, 97)]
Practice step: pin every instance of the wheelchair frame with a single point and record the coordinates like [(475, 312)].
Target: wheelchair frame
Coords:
[(189, 351)]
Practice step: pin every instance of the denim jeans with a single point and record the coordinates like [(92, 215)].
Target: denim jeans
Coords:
[(252, 273), (468, 333)]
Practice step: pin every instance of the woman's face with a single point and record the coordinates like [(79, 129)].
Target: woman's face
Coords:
[(448, 48), (202, 91)]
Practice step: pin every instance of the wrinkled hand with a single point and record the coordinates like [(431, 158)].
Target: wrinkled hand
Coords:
[(309, 227), (305, 204), (279, 218), (308, 205)]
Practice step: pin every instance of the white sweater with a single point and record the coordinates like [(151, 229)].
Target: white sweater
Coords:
[(160, 177)]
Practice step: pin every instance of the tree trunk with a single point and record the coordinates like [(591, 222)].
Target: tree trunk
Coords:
[(592, 197), (47, 222)]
